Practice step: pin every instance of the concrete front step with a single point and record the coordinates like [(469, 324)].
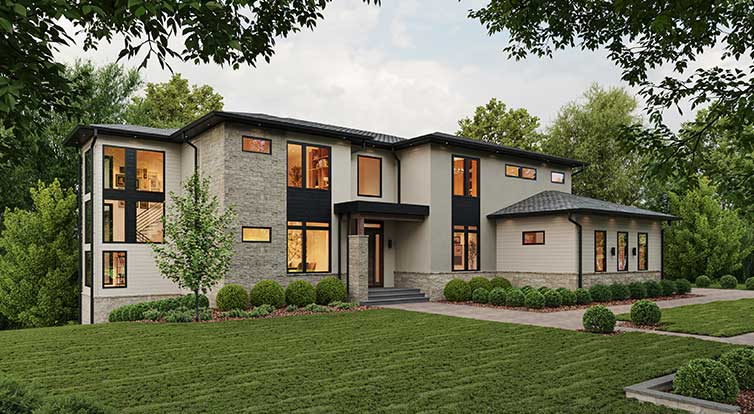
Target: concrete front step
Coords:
[(381, 293), (389, 296), (392, 301)]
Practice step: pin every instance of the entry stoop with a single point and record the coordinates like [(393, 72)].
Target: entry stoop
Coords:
[(392, 296)]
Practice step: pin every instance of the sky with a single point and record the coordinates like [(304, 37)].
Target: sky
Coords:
[(406, 68)]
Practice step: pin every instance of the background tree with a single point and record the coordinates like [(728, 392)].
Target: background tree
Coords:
[(710, 239), (198, 240), (39, 264), (173, 104), (496, 123)]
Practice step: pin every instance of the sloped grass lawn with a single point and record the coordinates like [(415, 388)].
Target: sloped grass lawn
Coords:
[(724, 318), (371, 361)]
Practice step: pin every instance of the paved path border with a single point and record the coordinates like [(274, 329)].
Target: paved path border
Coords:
[(572, 319)]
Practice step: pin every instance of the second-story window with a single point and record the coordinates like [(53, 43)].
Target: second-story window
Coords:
[(369, 176), (465, 176), (258, 145), (557, 177), (309, 164), (518, 171)]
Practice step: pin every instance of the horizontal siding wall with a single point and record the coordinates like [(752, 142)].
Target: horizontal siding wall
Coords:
[(612, 225), (557, 255)]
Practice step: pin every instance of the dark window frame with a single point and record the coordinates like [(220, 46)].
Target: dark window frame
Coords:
[(523, 238), (557, 172), (125, 285), (88, 171), (250, 137), (465, 232), (303, 227), (88, 221), (269, 229), (358, 176), (466, 188), (646, 251), (604, 251), (520, 174), (88, 268), (617, 252), (304, 172)]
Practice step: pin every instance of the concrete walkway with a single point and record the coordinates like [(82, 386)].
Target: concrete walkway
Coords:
[(572, 319)]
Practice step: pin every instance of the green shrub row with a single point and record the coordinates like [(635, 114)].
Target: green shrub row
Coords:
[(726, 282), (298, 293), (136, 311)]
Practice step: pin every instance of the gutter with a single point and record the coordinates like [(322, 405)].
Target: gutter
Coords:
[(79, 202), (580, 247), (91, 288), (662, 250)]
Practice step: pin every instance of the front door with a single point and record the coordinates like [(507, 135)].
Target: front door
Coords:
[(376, 234)]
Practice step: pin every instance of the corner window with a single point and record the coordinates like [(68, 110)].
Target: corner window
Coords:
[(533, 237), (256, 234), (258, 145), (369, 176), (465, 176), (557, 177), (150, 167), (643, 260), (308, 247), (308, 164), (518, 171), (622, 251), (114, 270), (465, 248), (600, 251)]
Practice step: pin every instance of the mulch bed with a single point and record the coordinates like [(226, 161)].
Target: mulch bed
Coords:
[(574, 307), (746, 401)]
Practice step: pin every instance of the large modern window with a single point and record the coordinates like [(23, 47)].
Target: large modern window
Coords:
[(622, 251), (600, 251), (465, 248), (465, 176), (557, 177), (308, 247), (134, 195), (256, 234), (259, 145), (518, 171), (643, 259), (369, 176), (533, 237), (309, 166), (114, 269)]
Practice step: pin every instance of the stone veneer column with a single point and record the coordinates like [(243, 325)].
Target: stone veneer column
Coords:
[(358, 267)]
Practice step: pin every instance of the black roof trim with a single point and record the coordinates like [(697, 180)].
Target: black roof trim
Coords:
[(376, 207), (81, 133)]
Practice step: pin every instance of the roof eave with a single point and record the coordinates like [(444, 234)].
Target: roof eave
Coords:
[(658, 217), (72, 139)]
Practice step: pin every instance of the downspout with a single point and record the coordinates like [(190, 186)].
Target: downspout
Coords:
[(340, 258), (196, 200), (580, 239), (91, 288), (348, 271), (662, 250), (79, 202), (398, 165)]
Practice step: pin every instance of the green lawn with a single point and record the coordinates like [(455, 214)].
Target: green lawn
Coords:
[(724, 318), (371, 361)]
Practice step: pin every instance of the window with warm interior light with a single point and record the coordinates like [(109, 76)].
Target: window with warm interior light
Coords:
[(114, 168), (622, 251), (369, 176), (518, 171), (258, 145), (557, 177), (114, 269), (643, 259), (533, 237), (256, 234), (600, 251), (114, 221), (308, 247), (149, 216), (465, 176), (308, 164), (465, 248)]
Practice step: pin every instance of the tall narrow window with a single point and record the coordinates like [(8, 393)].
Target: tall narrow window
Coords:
[(89, 214), (459, 172), (622, 251), (258, 145), (114, 168), (465, 248), (114, 270), (88, 269), (308, 247), (88, 171), (473, 177), (369, 176), (643, 260), (465, 177), (114, 221), (600, 249), (295, 169)]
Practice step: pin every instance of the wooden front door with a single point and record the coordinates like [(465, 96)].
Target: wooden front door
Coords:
[(376, 233)]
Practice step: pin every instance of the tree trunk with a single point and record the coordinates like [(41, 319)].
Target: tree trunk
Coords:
[(196, 301)]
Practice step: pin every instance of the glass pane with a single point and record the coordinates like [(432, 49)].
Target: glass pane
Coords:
[(295, 173), (88, 269), (114, 269), (257, 145), (149, 221), (88, 177), (599, 251), (149, 170), (529, 173), (88, 229), (295, 250), (643, 252), (458, 227), (317, 224), (458, 251), (317, 250), (372, 225), (512, 170), (370, 172), (256, 234), (458, 176), (622, 251), (114, 167), (114, 221), (534, 237), (295, 223), (377, 261), (557, 177), (317, 168), (472, 228), (473, 251), (473, 178)]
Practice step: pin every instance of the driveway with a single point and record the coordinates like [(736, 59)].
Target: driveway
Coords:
[(572, 319)]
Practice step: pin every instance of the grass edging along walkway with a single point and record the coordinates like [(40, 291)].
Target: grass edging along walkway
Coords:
[(373, 361), (721, 319)]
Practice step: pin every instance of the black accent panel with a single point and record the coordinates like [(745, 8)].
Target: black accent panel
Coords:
[(376, 207), (130, 221), (309, 205), (465, 211), (131, 169)]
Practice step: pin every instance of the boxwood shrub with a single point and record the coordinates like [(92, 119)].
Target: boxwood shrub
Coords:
[(477, 282), (668, 287), (750, 283), (500, 282), (269, 292), (741, 363), (583, 297), (728, 282), (232, 296), (567, 298), (601, 293), (682, 286), (654, 290), (526, 289), (480, 295), (706, 379), (638, 291), (300, 293), (619, 291), (598, 319), (552, 299), (534, 300), (329, 289), (457, 290), (645, 312), (515, 297), (703, 281), (497, 296)]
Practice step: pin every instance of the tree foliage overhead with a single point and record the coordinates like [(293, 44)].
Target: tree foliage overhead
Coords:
[(173, 104), (496, 123)]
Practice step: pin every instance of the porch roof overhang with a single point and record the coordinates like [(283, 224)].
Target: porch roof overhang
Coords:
[(376, 209)]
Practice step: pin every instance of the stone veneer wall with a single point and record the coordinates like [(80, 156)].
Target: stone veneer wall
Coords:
[(358, 268), (591, 279), (104, 305)]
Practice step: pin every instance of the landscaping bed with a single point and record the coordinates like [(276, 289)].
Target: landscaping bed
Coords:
[(571, 307)]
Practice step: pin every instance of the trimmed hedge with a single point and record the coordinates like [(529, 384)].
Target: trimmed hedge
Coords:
[(741, 363), (268, 292), (515, 297), (135, 311), (668, 287), (703, 281), (601, 293), (500, 282), (750, 283), (457, 290), (552, 299), (706, 379), (232, 296), (583, 297), (497, 296), (638, 290), (330, 289), (619, 291), (567, 298), (682, 286), (480, 295), (477, 282), (654, 290), (598, 319), (534, 300), (645, 312), (300, 293), (728, 282)]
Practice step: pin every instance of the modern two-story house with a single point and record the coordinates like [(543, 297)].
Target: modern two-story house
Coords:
[(375, 210)]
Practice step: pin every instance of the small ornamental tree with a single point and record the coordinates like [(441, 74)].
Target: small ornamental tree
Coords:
[(198, 241)]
